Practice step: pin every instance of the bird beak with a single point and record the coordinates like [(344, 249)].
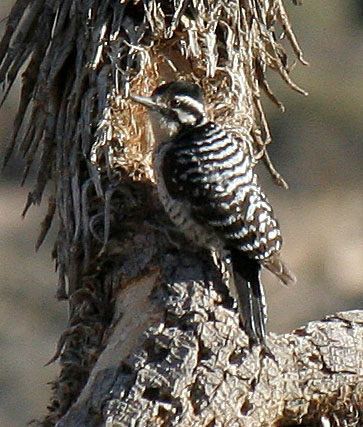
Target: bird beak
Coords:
[(145, 100)]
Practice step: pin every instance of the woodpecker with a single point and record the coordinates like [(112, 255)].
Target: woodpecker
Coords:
[(206, 182)]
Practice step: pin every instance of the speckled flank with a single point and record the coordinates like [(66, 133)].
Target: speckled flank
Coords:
[(210, 191)]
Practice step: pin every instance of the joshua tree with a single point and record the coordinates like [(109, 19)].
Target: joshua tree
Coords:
[(153, 337)]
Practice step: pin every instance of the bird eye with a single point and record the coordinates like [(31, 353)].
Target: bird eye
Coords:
[(175, 103)]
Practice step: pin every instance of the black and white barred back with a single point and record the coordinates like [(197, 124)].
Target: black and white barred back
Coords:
[(210, 169), (206, 182)]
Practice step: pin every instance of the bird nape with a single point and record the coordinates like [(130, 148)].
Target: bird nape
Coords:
[(206, 182)]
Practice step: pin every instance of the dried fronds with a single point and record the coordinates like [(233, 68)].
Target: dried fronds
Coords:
[(226, 47), (82, 58), (79, 60)]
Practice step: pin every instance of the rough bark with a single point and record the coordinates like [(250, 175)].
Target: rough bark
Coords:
[(153, 338), (185, 362)]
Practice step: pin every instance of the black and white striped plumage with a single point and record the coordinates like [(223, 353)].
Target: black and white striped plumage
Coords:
[(206, 182)]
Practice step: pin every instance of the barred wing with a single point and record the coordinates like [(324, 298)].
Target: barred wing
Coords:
[(212, 173)]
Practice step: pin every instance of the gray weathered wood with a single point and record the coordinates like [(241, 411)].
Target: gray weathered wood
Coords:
[(152, 337)]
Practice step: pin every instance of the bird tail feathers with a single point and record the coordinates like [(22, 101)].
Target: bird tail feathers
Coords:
[(250, 297), (276, 266)]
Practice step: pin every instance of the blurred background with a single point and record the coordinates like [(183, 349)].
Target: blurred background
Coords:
[(318, 149)]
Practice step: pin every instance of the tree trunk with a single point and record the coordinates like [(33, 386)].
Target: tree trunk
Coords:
[(153, 335)]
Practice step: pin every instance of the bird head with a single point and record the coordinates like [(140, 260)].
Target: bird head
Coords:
[(175, 105)]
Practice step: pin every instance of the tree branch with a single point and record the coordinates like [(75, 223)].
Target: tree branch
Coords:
[(183, 360), (152, 337)]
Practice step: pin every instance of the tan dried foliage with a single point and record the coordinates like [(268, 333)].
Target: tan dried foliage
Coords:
[(225, 47)]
